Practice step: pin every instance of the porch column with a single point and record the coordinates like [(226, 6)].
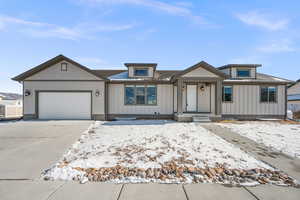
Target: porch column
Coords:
[(179, 96), (219, 97)]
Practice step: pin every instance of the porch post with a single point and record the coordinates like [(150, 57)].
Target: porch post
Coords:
[(179, 96), (218, 97)]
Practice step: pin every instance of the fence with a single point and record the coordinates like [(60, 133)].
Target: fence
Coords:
[(11, 111)]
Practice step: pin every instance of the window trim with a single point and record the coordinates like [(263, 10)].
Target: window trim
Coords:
[(240, 69), (276, 95), (146, 96), (61, 67), (223, 94), (136, 68)]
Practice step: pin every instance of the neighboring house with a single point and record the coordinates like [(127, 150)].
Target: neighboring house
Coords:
[(294, 97), (64, 89), (10, 105)]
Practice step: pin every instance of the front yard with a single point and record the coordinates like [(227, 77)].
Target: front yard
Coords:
[(279, 136), (159, 151)]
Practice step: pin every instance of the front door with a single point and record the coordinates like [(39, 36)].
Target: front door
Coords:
[(191, 98)]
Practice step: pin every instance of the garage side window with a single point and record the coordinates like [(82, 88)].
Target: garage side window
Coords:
[(268, 94), (227, 94), (140, 95)]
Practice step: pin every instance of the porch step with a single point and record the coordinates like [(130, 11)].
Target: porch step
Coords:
[(201, 119)]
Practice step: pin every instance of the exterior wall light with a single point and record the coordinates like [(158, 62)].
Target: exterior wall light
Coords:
[(97, 93), (27, 93), (202, 88)]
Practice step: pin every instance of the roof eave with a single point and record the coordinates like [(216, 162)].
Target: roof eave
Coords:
[(32, 71)]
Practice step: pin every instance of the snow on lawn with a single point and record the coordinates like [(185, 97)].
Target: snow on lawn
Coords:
[(151, 144), (279, 136)]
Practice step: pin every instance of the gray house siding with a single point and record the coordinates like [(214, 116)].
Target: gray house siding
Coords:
[(246, 103), (117, 107)]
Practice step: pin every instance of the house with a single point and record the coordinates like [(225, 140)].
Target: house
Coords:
[(294, 96), (10, 106), (64, 89)]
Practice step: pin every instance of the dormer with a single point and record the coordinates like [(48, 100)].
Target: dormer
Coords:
[(240, 71), (141, 70)]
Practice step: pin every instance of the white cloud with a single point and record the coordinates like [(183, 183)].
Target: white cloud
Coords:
[(40, 29), (264, 21), (177, 9), (277, 46)]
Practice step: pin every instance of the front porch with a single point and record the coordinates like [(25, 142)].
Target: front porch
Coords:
[(198, 98)]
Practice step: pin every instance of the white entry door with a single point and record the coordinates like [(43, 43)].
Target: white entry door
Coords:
[(191, 98), (64, 105)]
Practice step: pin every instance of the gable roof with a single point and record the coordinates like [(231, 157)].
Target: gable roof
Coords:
[(204, 65), (294, 83), (51, 62)]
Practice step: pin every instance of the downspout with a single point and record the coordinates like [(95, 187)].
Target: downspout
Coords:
[(106, 100)]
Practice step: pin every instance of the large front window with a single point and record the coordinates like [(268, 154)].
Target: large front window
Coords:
[(140, 95), (140, 72), (268, 94)]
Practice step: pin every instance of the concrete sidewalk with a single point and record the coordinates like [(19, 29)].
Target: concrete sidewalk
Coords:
[(49, 190)]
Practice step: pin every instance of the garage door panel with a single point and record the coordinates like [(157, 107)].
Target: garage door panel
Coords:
[(64, 105)]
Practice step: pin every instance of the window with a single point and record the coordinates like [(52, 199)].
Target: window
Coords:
[(140, 72), (129, 94), (243, 72), (268, 94), (140, 95), (151, 94), (227, 94), (64, 67)]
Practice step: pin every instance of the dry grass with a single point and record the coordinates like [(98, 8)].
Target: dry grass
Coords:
[(296, 115), (288, 122)]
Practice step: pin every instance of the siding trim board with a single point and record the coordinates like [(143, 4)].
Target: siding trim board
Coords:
[(140, 116), (252, 117)]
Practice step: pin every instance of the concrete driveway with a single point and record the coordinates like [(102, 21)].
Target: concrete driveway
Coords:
[(28, 147)]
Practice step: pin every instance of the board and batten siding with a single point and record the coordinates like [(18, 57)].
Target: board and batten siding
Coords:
[(246, 101), (116, 98), (175, 99), (33, 86), (54, 73)]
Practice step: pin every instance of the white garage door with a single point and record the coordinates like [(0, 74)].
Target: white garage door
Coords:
[(64, 105)]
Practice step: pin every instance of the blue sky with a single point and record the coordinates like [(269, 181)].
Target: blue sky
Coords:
[(104, 34)]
